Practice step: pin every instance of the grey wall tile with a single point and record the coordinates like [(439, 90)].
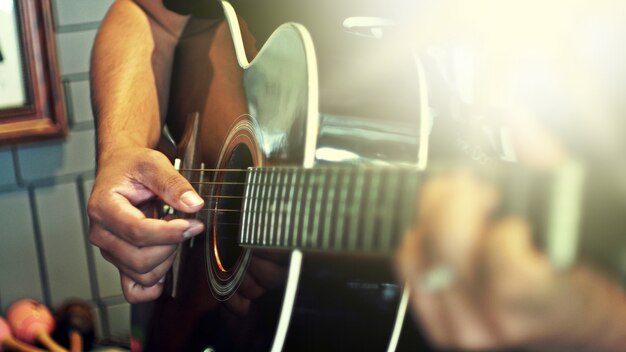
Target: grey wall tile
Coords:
[(98, 321), (19, 268), (81, 103), (69, 12), (49, 159), (119, 321), (74, 50), (7, 172), (63, 242)]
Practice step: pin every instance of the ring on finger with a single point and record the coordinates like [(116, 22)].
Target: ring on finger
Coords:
[(436, 279)]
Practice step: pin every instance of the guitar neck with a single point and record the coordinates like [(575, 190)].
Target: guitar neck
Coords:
[(367, 209), (331, 208)]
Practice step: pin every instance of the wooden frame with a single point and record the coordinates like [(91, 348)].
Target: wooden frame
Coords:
[(41, 113)]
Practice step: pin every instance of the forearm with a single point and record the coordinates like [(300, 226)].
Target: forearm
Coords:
[(130, 73)]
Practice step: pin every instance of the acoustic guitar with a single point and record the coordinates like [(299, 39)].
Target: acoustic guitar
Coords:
[(296, 252), (309, 153)]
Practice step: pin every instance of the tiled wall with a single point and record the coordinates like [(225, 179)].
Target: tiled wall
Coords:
[(44, 251)]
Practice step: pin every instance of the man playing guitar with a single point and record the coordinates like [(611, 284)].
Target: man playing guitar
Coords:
[(504, 293)]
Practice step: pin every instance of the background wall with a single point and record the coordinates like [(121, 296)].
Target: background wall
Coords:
[(44, 251)]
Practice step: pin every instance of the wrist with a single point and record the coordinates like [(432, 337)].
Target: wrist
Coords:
[(120, 145)]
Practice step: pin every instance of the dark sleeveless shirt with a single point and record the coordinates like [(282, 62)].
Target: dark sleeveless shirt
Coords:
[(197, 8)]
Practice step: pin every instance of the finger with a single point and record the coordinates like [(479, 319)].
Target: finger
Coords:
[(157, 174), (448, 315), (470, 329), (425, 305), (135, 293), (454, 211), (519, 280), (138, 259), (511, 261), (150, 278), (126, 221)]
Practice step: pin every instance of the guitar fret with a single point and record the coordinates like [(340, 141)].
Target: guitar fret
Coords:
[(267, 206), (341, 211), (330, 206), (307, 207), (274, 205), (371, 210), (245, 223), (391, 193), (296, 226), (250, 207), (259, 209), (284, 204), (288, 229), (254, 206), (318, 205), (244, 219), (355, 210), (254, 209)]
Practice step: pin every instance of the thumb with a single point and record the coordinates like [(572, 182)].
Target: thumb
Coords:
[(169, 185)]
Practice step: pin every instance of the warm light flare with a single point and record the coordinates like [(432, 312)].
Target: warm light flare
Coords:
[(562, 61)]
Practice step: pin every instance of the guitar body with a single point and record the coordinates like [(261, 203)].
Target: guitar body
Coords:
[(305, 99)]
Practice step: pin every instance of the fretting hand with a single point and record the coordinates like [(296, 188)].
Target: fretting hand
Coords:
[(494, 289), (122, 211), (502, 292)]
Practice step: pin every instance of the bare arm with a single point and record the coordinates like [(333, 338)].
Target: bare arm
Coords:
[(130, 74)]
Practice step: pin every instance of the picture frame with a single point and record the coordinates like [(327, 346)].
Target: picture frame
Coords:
[(31, 97)]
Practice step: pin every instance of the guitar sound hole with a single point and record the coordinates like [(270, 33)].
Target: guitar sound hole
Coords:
[(229, 204)]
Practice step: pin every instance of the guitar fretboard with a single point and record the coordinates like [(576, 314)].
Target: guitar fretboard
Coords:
[(330, 208)]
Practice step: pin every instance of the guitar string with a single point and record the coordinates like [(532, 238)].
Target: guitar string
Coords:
[(265, 168), (225, 197), (220, 196), (227, 223), (216, 183), (242, 183), (210, 196), (221, 210), (215, 170)]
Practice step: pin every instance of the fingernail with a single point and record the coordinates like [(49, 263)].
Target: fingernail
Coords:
[(191, 230), (162, 280), (191, 199)]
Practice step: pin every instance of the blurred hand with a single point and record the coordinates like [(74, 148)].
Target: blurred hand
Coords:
[(478, 282), (492, 264), (122, 210)]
